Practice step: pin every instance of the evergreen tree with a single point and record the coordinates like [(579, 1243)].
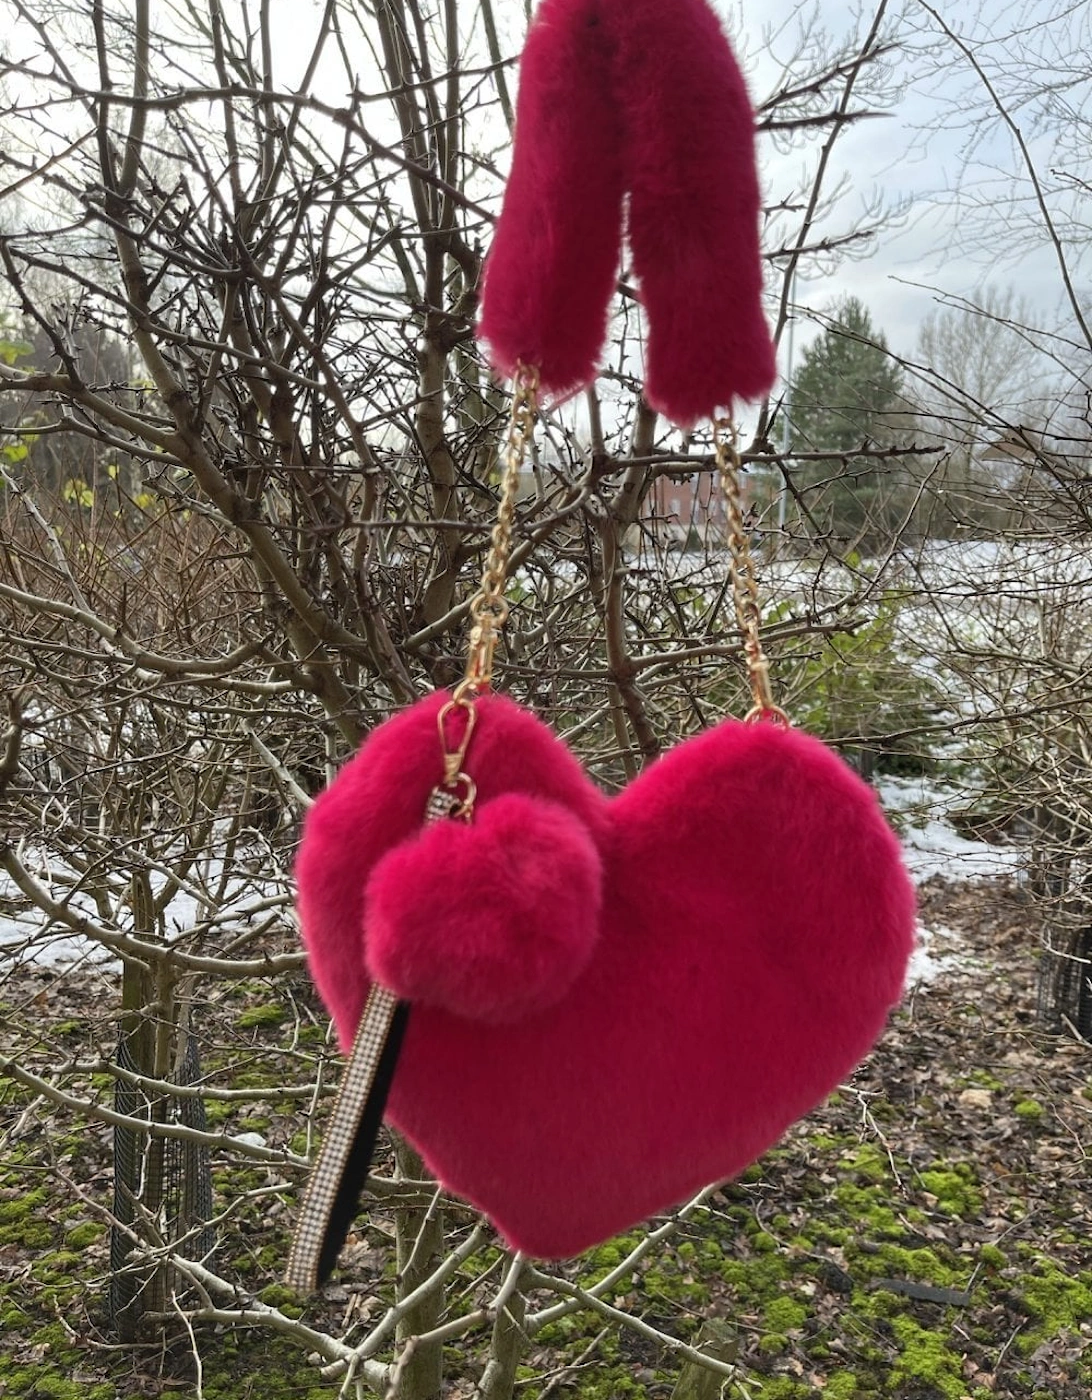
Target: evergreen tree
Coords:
[(846, 385), (847, 398)]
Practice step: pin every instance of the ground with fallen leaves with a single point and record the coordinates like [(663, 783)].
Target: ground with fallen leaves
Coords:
[(924, 1236)]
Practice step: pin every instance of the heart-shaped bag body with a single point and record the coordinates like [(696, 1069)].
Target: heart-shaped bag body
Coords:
[(615, 1001)]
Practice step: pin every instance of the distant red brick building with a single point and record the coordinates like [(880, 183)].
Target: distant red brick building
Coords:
[(678, 507)]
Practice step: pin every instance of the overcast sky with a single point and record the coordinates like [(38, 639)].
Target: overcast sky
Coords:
[(913, 159)]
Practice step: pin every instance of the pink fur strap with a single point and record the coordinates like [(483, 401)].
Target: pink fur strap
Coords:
[(637, 99)]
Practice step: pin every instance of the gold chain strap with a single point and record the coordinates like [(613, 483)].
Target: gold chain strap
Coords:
[(489, 607), (744, 585)]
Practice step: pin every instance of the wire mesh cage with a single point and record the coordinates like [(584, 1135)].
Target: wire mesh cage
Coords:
[(162, 1187)]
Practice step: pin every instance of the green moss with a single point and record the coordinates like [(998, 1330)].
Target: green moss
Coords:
[(256, 1016), (665, 1281), (286, 1300), (868, 1161), (763, 1242), (249, 1364), (51, 1335), (276, 1293), (954, 1188), (19, 1207), (825, 1233), (598, 1383), (923, 1356), (842, 1385), (67, 1027), (80, 1236), (754, 1282), (608, 1256), (773, 1344), (1058, 1299), (559, 1333), (62, 1261), (876, 1304), (993, 1257), (785, 1314), (31, 1234), (238, 1181), (1029, 1109), (51, 1387), (19, 1380), (255, 1078), (921, 1265), (782, 1388), (867, 1206)]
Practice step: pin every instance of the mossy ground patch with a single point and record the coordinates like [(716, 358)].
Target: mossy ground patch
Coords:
[(905, 1241)]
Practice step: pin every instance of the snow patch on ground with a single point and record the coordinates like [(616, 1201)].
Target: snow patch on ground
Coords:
[(208, 898), (928, 963), (931, 845), (935, 849), (22, 942)]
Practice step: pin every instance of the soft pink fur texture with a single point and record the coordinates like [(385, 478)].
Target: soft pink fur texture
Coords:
[(534, 878), (753, 926), (641, 97), (554, 261)]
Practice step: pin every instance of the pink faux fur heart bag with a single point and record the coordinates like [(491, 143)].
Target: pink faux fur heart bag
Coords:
[(615, 1001), (604, 1004)]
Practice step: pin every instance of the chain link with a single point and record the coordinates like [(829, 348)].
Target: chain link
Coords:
[(744, 585), (489, 608)]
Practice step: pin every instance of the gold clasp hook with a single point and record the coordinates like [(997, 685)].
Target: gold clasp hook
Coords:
[(455, 751)]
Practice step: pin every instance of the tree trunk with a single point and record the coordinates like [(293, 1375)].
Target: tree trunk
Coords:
[(420, 1251), (696, 1382)]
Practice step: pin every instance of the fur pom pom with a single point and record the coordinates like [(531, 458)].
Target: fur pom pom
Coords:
[(377, 805), (491, 921)]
